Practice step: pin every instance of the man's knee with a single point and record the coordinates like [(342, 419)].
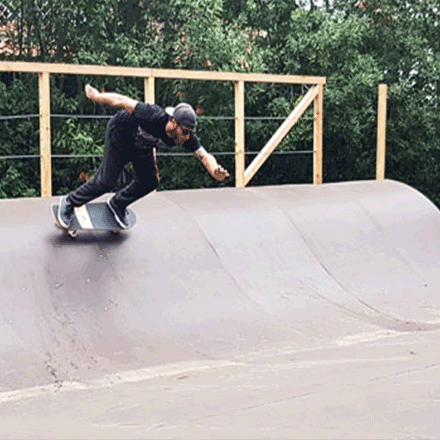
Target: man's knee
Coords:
[(107, 183), (107, 187)]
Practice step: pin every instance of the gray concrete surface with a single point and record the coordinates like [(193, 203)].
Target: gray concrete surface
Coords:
[(277, 312)]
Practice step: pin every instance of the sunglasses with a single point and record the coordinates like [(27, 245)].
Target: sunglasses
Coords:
[(186, 131)]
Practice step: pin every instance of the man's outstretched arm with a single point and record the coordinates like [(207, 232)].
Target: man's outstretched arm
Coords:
[(211, 165), (111, 99)]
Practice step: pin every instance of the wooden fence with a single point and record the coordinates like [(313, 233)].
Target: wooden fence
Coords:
[(381, 131), (243, 176)]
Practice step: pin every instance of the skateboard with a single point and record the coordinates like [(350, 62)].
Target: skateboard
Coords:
[(93, 217)]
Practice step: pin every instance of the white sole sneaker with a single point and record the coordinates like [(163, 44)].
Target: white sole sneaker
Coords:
[(115, 215), (62, 223)]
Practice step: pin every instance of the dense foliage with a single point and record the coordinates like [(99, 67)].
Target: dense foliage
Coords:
[(356, 44)]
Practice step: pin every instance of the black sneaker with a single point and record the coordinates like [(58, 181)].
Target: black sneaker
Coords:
[(65, 212), (120, 214)]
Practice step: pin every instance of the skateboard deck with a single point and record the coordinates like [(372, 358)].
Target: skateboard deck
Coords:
[(94, 217)]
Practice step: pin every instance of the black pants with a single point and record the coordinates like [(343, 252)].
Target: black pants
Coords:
[(120, 149)]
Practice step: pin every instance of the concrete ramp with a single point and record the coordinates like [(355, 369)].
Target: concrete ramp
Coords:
[(207, 274)]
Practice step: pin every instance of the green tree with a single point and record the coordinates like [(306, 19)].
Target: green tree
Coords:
[(356, 44)]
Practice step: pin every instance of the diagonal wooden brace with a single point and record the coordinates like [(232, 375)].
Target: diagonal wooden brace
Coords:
[(280, 134)]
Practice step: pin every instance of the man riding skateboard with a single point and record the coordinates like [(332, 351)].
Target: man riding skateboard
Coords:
[(132, 135)]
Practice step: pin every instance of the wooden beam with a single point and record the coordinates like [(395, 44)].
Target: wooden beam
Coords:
[(149, 90), (281, 133), (381, 132), (45, 149), (239, 134), (146, 72), (318, 136), (230, 76), (74, 69)]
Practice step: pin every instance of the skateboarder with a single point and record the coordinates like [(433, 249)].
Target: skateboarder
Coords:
[(132, 135)]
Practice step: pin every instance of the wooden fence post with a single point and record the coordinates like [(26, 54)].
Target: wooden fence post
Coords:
[(381, 132), (45, 149), (239, 134), (149, 84), (318, 136)]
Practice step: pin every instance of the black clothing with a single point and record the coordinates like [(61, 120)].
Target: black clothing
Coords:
[(152, 119), (131, 137)]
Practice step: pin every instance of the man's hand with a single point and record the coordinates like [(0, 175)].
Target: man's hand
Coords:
[(220, 174), (211, 165), (91, 92)]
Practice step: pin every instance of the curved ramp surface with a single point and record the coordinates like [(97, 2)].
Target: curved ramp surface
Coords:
[(282, 312), (208, 273)]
